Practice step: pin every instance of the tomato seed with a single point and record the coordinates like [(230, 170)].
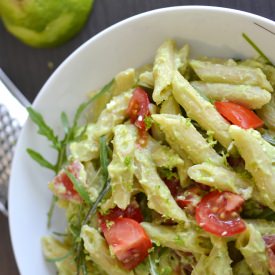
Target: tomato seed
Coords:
[(215, 209), (222, 215), (224, 233)]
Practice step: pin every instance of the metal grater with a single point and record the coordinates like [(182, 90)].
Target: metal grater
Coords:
[(13, 115)]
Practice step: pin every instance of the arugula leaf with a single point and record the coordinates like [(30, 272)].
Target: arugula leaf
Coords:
[(50, 211), (40, 159), (254, 210), (152, 265), (84, 105), (104, 159), (257, 49), (65, 122), (43, 128), (60, 234), (81, 135), (267, 214), (270, 139), (61, 145), (59, 259), (101, 195), (79, 188), (147, 213)]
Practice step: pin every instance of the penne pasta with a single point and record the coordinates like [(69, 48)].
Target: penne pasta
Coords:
[(221, 178), (121, 168), (164, 66), (259, 159), (180, 131), (200, 110), (252, 246), (251, 97), (220, 73)]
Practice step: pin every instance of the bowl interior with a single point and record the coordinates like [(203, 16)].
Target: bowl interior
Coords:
[(131, 43)]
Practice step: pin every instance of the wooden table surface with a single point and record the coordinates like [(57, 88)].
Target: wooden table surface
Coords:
[(29, 68)]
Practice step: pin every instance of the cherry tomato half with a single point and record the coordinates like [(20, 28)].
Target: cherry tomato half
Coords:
[(138, 110), (270, 246), (189, 199), (129, 241), (131, 212), (62, 185), (218, 213), (239, 115)]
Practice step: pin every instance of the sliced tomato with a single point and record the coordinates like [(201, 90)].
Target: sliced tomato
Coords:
[(63, 186), (128, 241), (132, 211), (138, 110), (174, 186), (239, 115), (218, 213), (270, 247), (190, 198)]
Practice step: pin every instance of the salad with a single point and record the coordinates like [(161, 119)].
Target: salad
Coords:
[(172, 172)]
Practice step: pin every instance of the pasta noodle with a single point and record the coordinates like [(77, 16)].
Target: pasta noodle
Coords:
[(158, 181)]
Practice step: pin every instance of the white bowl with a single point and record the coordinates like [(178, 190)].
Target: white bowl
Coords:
[(131, 43)]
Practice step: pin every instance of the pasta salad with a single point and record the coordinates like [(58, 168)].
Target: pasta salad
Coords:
[(172, 173)]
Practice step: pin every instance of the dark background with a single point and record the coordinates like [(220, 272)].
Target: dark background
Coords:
[(29, 68)]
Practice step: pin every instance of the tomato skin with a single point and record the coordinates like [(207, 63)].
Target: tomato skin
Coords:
[(174, 186), (138, 110), (63, 186), (129, 241), (190, 198), (217, 213), (270, 247), (239, 115), (131, 212)]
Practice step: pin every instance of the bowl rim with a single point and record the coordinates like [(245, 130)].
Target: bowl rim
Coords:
[(93, 39), (139, 16)]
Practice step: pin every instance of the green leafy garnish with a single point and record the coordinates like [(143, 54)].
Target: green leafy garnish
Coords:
[(43, 129), (104, 162), (257, 49), (84, 105), (65, 122), (60, 145), (60, 234), (143, 205), (152, 265), (79, 187), (51, 210), (59, 259), (40, 159), (254, 210), (270, 139), (104, 159)]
